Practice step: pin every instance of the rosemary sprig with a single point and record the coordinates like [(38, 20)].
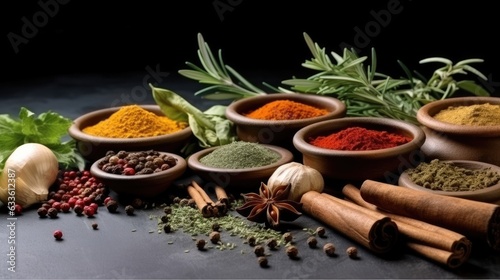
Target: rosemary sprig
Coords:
[(364, 91), (219, 76)]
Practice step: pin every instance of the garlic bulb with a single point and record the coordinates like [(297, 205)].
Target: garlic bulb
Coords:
[(28, 174), (301, 177)]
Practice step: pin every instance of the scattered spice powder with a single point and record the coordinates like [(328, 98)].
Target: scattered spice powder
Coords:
[(239, 155), (476, 115), (132, 121), (445, 176), (359, 139), (286, 110)]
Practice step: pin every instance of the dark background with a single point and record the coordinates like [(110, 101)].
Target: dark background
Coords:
[(261, 39)]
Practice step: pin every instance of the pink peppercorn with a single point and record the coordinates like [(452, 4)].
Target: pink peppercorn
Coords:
[(58, 234)]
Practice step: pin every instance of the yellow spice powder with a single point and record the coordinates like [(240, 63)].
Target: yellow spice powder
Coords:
[(476, 115), (132, 121)]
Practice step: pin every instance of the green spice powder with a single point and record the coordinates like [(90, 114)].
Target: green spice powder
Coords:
[(445, 176), (239, 155)]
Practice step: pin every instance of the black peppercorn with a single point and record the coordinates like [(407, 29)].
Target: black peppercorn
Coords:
[(215, 227), (329, 249), (214, 237), (52, 212), (259, 250), (42, 212), (164, 219), (287, 237), (292, 252), (112, 206), (78, 209), (272, 243), (167, 210), (200, 244), (129, 209), (312, 242), (262, 261), (251, 241), (167, 228), (352, 252), (321, 231), (184, 202), (94, 225)]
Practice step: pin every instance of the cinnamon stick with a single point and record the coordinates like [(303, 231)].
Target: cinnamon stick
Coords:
[(436, 243), (378, 234), (202, 192), (473, 219), (204, 207)]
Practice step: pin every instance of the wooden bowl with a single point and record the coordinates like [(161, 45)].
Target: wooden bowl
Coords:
[(278, 132), (93, 147), (247, 179), (448, 141), (490, 194), (357, 166), (143, 185)]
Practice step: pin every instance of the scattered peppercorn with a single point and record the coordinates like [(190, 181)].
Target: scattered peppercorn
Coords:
[(167, 210), (88, 211), (215, 237), (42, 212), (137, 203), (78, 209), (112, 206), (292, 252), (329, 249), (184, 202), (176, 200), (287, 236), (272, 243), (200, 244), (95, 225), (259, 250), (65, 207), (164, 219), (251, 240), (18, 209), (129, 209), (321, 231), (52, 212), (312, 242), (192, 203), (352, 252), (262, 261), (167, 228), (215, 227), (58, 234)]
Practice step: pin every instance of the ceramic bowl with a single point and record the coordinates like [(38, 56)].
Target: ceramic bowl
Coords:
[(93, 147), (144, 185), (490, 194), (447, 141), (356, 166), (278, 132), (247, 179)]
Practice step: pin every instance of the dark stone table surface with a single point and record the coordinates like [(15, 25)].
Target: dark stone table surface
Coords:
[(129, 247)]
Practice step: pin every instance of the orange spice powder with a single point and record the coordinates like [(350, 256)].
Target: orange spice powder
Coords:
[(286, 110)]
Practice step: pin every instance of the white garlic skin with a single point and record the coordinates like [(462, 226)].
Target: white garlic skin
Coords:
[(302, 179)]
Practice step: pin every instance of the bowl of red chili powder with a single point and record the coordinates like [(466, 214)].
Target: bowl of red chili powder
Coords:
[(354, 149), (274, 118), (462, 128), (131, 127)]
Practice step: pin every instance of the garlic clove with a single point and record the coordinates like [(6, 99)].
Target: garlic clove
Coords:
[(28, 174), (302, 178)]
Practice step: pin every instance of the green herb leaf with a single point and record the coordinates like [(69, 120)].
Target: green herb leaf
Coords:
[(48, 129)]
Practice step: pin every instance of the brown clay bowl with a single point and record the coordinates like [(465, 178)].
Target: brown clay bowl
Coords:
[(357, 166), (92, 147), (447, 141), (490, 194), (143, 185), (278, 132), (247, 179)]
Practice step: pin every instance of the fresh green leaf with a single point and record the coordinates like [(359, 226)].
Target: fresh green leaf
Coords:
[(473, 88)]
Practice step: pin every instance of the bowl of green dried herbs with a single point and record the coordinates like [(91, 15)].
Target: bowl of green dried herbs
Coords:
[(467, 179), (239, 165)]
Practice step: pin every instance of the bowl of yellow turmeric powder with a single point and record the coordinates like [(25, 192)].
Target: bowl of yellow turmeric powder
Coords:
[(462, 128), (274, 118), (130, 127)]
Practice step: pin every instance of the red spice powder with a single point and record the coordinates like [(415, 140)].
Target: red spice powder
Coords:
[(359, 139)]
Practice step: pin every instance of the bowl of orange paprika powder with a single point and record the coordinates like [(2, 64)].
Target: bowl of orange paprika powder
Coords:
[(274, 118), (354, 149)]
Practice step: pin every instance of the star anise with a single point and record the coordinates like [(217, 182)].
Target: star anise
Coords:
[(270, 207)]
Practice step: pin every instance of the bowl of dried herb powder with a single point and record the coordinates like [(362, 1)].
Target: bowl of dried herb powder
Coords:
[(467, 179), (238, 165)]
